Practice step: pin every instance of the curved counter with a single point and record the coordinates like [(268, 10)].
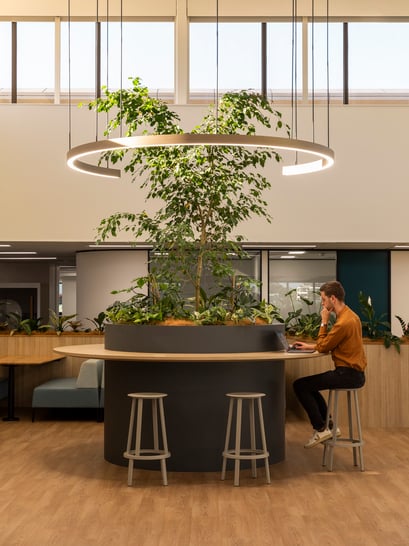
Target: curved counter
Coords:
[(196, 406)]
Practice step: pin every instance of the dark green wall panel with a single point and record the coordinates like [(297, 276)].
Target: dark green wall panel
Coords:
[(367, 271)]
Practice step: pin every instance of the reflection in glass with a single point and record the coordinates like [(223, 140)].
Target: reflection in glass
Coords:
[(304, 273)]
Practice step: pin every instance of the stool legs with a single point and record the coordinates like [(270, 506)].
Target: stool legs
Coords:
[(355, 443), (239, 453), (228, 431), (253, 438), (164, 441), (129, 442), (147, 454), (263, 440), (238, 441)]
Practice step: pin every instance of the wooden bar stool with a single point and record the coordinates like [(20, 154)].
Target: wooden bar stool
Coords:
[(356, 442), (238, 453), (138, 454)]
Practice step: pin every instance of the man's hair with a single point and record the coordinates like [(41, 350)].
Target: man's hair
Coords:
[(333, 288)]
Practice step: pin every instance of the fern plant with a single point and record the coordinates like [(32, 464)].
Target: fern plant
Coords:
[(404, 325)]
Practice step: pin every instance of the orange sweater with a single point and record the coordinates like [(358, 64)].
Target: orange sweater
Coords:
[(344, 341)]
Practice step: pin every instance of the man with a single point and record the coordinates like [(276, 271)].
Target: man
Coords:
[(344, 342)]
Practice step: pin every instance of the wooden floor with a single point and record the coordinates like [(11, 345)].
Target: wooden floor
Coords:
[(56, 489)]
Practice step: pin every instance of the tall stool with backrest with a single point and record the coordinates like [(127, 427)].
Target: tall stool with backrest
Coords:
[(355, 440), (150, 454), (239, 453)]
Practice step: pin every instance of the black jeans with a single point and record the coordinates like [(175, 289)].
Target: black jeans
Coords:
[(307, 390)]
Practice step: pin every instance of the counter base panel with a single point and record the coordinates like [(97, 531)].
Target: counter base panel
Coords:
[(195, 409)]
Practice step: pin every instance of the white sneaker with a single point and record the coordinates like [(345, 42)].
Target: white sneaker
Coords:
[(319, 437)]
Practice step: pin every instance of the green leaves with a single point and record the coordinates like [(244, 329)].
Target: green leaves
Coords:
[(204, 192), (374, 326)]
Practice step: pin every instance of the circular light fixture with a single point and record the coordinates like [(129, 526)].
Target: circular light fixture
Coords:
[(323, 156)]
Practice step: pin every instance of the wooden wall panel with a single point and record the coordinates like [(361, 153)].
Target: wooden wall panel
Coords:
[(28, 377), (384, 401)]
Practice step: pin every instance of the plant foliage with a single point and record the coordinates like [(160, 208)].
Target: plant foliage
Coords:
[(299, 323), (374, 326), (204, 192)]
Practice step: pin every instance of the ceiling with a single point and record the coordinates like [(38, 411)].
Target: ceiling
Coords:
[(64, 253)]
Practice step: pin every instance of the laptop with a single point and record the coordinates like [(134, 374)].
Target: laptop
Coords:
[(283, 342)]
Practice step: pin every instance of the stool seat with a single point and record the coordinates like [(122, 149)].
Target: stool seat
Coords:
[(239, 453), (245, 395), (147, 395), (147, 454), (355, 439)]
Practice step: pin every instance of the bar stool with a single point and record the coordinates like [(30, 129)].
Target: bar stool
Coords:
[(138, 454), (238, 453), (356, 442)]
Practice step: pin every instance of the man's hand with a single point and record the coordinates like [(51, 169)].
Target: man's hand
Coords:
[(325, 314), (302, 345)]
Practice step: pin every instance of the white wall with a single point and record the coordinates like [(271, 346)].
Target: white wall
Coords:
[(399, 289), (69, 296), (100, 272), (235, 8), (82, 8), (363, 198)]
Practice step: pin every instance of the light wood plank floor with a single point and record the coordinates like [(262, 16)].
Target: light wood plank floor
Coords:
[(56, 489)]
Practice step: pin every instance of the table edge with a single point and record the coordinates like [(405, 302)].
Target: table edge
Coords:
[(99, 351)]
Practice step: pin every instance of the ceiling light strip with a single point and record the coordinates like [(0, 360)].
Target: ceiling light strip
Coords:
[(9, 252), (26, 258), (324, 154)]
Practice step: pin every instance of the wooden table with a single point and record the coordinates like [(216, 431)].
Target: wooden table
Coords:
[(196, 408), (11, 361)]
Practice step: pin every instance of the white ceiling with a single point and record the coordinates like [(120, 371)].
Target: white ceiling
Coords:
[(65, 251)]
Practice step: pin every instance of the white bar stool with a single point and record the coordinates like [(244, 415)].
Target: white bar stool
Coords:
[(356, 442), (238, 453), (138, 454)]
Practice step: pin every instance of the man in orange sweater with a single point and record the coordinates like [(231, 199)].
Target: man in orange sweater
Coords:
[(344, 342)]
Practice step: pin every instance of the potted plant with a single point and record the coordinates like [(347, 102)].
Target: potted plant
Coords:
[(205, 193), (374, 326), (298, 323)]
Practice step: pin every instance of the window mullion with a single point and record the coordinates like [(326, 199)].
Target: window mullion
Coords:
[(57, 61), (345, 64), (14, 62)]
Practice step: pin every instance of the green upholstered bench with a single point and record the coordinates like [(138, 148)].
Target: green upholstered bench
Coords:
[(72, 392)]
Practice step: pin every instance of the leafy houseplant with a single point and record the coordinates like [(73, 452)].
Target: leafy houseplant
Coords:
[(28, 325), (205, 193), (99, 322), (298, 323), (62, 322), (374, 326)]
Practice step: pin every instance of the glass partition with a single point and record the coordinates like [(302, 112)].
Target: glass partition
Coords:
[(301, 273), (244, 268)]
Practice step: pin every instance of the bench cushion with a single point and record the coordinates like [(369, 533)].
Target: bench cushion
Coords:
[(63, 393), (72, 392)]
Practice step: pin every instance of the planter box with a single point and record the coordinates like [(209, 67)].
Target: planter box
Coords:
[(192, 339), (196, 406)]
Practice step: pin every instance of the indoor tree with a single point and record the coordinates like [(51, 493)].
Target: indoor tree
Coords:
[(205, 191)]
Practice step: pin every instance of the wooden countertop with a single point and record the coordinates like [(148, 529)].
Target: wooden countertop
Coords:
[(30, 360), (99, 351)]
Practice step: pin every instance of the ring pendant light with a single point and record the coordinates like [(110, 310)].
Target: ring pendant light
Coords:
[(321, 156)]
